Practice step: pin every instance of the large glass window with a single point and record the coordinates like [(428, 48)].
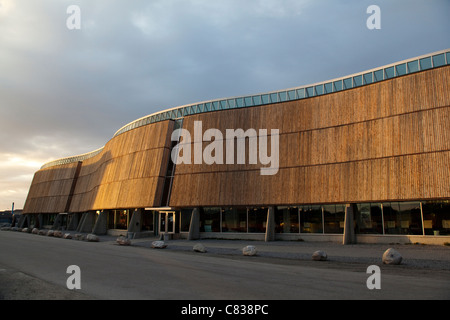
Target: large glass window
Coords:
[(334, 218), (118, 219), (210, 220), (425, 63), (439, 60), (257, 219), (389, 73), (410, 218), (148, 221), (185, 220), (436, 217), (378, 75), (369, 218), (234, 220), (400, 69), (402, 218), (286, 220), (311, 219), (413, 66)]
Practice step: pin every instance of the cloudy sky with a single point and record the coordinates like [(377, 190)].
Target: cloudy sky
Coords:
[(66, 92)]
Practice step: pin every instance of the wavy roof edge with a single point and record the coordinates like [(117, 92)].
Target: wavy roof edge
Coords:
[(390, 71)]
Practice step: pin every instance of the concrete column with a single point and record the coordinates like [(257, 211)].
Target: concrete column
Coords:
[(194, 228), (135, 225), (349, 229), (87, 222), (101, 225), (270, 225)]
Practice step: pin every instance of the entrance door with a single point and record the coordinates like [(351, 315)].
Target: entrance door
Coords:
[(166, 222)]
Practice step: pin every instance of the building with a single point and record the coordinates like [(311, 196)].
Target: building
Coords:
[(361, 158)]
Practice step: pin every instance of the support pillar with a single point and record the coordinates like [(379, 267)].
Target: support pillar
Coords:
[(101, 225), (349, 229), (87, 222), (270, 225), (194, 228)]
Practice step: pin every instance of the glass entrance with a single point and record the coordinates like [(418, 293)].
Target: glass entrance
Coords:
[(167, 222)]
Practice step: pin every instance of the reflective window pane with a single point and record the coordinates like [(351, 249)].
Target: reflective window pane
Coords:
[(401, 69), (234, 220), (274, 97), (413, 66), (210, 220), (439, 60), (334, 219), (337, 85), (319, 89), (248, 101), (291, 95), (257, 100), (286, 220), (378, 75), (310, 92), (328, 87), (257, 219), (369, 218), (425, 63), (436, 217), (311, 219), (357, 81), (368, 78), (283, 96), (301, 93), (348, 83), (389, 73), (265, 98)]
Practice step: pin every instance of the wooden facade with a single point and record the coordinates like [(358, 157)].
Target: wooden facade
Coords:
[(388, 141)]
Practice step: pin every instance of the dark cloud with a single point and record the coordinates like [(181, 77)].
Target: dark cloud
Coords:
[(65, 92)]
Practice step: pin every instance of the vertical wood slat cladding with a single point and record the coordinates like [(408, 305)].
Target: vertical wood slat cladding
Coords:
[(128, 173), (386, 141), (51, 189)]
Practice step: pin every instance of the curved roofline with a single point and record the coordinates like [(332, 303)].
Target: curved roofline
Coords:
[(390, 71)]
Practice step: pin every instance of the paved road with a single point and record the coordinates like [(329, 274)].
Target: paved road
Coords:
[(109, 271)]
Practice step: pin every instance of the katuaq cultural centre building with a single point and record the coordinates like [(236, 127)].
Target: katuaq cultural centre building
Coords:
[(362, 158)]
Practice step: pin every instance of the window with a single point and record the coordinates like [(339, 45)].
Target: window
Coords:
[(311, 219), (291, 95), (348, 83), (400, 69), (369, 218), (274, 97), (301, 93), (210, 220), (257, 219), (265, 99), (185, 220), (328, 87), (425, 63), (337, 85), (368, 78), (436, 217), (319, 90), (334, 218), (310, 92), (413, 66), (286, 220), (389, 73), (438, 60), (378, 75), (234, 220), (148, 221), (357, 81), (402, 218), (118, 219)]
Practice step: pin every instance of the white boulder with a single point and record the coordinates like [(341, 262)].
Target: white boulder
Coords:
[(249, 251), (92, 238), (123, 241), (159, 245), (199, 248), (319, 256), (392, 256)]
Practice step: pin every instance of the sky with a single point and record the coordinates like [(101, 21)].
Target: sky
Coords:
[(66, 91)]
